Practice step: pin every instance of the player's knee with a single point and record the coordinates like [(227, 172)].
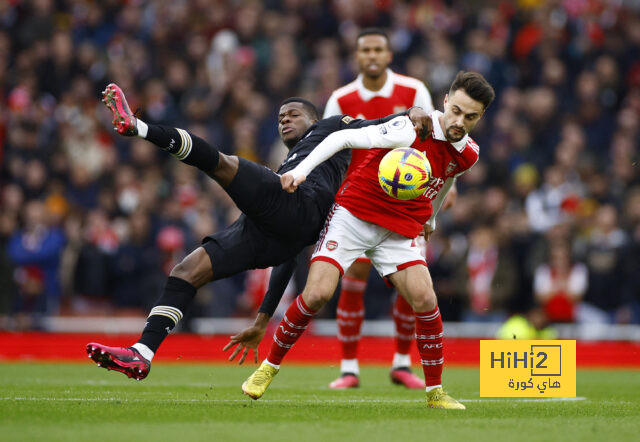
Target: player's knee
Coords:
[(195, 268), (423, 301), (226, 169), (316, 296), (182, 270)]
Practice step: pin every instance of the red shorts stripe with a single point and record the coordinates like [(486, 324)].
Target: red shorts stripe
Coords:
[(330, 261), (363, 259), (410, 264)]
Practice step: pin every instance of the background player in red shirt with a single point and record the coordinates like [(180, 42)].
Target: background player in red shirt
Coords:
[(365, 219), (375, 93)]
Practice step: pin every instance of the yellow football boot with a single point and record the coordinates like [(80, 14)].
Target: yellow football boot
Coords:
[(438, 398), (258, 382)]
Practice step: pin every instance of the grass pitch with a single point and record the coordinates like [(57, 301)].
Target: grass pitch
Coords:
[(180, 402)]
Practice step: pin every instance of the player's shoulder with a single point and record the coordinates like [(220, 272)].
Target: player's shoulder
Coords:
[(345, 90), (332, 124), (472, 145), (407, 81), (469, 153), (335, 122)]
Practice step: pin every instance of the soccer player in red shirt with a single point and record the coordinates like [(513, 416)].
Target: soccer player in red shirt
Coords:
[(375, 93), (364, 219)]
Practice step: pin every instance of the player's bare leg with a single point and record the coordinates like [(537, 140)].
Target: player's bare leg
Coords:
[(321, 283), (417, 287)]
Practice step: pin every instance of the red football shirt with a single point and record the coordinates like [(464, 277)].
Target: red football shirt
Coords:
[(362, 195), (398, 94)]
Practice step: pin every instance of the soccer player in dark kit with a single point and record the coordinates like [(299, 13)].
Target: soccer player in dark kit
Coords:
[(274, 227)]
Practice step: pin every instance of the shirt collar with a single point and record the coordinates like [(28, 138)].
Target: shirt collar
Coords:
[(385, 91), (438, 134)]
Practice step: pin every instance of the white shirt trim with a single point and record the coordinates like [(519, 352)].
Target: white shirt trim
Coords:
[(386, 91)]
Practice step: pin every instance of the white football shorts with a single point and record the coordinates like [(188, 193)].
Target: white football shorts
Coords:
[(345, 237)]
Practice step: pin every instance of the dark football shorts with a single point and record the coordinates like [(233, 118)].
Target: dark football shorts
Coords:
[(275, 225)]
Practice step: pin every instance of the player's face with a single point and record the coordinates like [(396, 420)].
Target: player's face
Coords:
[(461, 114), (373, 55), (293, 121)]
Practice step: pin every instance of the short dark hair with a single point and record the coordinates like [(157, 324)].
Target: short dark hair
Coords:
[(373, 31), (475, 85), (308, 106)]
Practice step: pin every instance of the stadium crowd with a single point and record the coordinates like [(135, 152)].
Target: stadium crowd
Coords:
[(91, 223)]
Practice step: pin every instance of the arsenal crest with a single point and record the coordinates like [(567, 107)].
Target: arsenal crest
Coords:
[(451, 167), (332, 245)]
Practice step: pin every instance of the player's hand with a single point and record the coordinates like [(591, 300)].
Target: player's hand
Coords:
[(247, 339), (421, 122), (427, 230), (451, 197), (289, 183)]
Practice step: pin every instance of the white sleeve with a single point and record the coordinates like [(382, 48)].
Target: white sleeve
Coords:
[(398, 132), (423, 99), (437, 202), (578, 281), (542, 285), (332, 107)]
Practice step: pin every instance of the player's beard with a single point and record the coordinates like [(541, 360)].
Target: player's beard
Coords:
[(373, 75), (454, 137)]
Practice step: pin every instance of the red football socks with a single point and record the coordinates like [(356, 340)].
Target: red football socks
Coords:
[(405, 321), (293, 324), (350, 315), (429, 341)]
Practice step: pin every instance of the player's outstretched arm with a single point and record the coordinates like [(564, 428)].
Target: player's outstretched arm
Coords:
[(397, 132), (249, 338)]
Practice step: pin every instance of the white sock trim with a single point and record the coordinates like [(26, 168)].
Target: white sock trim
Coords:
[(277, 367), (349, 366), (432, 387), (400, 360), (145, 351), (143, 129)]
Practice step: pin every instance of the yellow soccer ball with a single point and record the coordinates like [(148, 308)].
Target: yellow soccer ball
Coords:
[(404, 173)]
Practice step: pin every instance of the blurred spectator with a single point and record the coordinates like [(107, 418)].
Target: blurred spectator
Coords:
[(548, 206), (631, 264), (492, 277), (560, 284), (100, 243), (136, 273), (602, 251), (7, 285), (445, 255), (35, 251), (558, 147)]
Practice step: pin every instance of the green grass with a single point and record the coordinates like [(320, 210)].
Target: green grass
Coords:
[(203, 402)]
